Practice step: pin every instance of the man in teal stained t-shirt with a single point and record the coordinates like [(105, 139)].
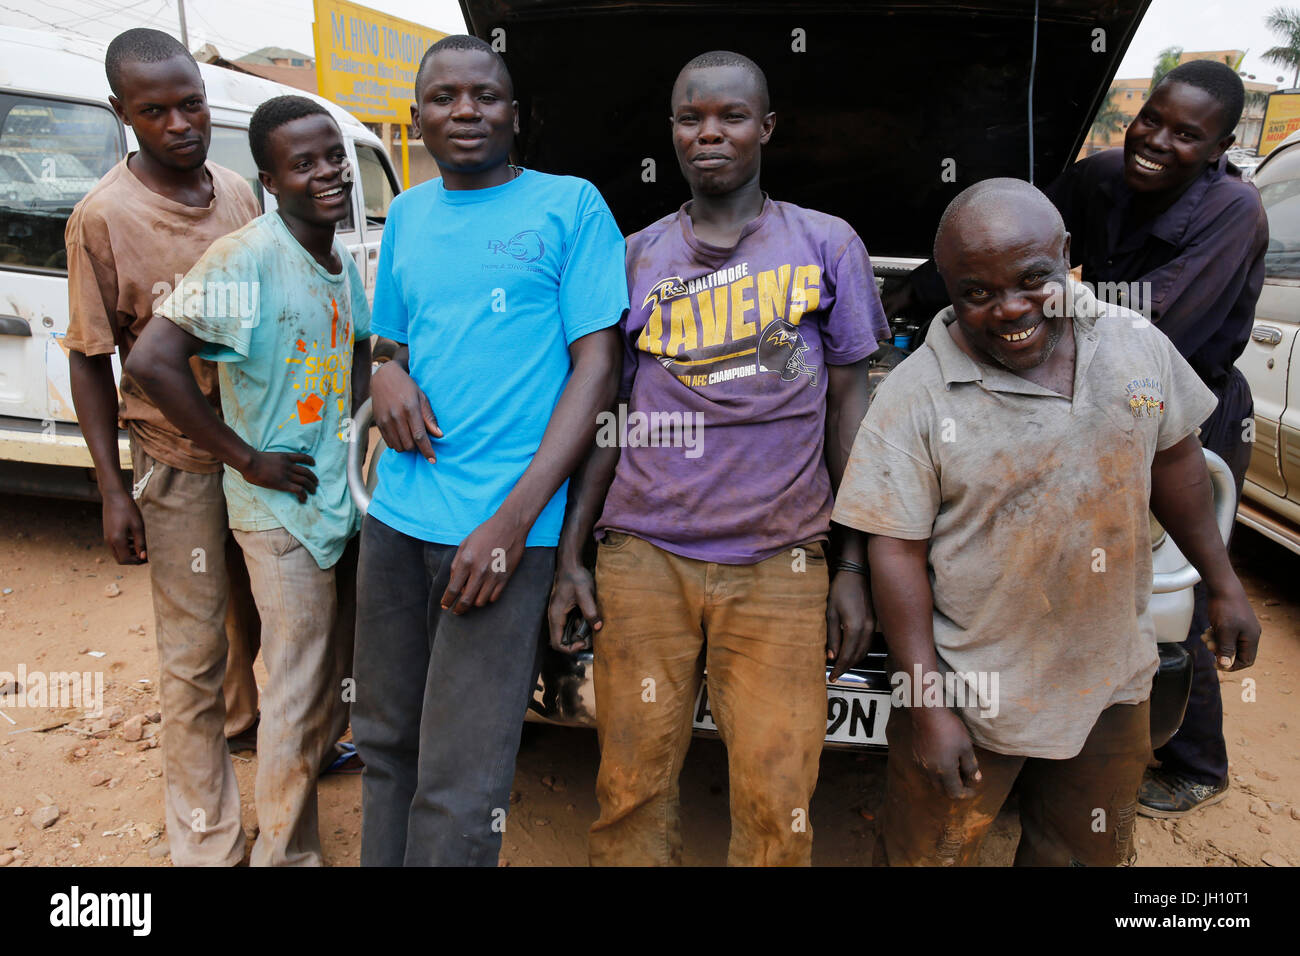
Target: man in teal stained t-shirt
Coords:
[(280, 305)]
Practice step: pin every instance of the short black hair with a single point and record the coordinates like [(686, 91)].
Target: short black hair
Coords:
[(728, 58), (140, 45), (273, 114), (462, 41), (1217, 79)]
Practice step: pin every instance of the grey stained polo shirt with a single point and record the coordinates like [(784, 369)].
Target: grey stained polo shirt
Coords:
[(1036, 509)]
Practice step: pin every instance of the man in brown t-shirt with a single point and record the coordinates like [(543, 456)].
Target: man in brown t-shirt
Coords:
[(141, 227)]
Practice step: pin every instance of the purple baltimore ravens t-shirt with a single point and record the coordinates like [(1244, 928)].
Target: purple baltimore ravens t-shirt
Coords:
[(724, 380)]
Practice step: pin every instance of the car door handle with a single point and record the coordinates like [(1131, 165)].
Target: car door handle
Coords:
[(374, 254), (1267, 334), (15, 325)]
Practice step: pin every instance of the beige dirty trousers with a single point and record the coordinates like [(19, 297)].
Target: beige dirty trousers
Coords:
[(307, 649), (760, 629), (244, 637), (185, 536)]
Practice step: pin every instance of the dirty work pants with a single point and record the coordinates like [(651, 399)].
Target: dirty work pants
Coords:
[(760, 630), (244, 633), (1198, 751), (1060, 800), (244, 640), (441, 699), (307, 649), (186, 534)]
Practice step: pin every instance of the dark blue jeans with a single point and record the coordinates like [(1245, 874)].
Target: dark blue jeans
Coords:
[(1198, 750), (440, 701)]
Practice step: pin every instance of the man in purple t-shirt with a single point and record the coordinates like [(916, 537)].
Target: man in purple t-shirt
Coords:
[(744, 383)]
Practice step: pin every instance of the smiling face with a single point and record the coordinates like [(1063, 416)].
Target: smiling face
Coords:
[(309, 176), (1002, 261), (466, 114), (1175, 136), (165, 104), (719, 125)]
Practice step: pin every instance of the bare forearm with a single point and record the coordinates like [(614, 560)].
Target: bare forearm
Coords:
[(846, 406), (586, 500), (360, 373), (1183, 502), (94, 396), (569, 434), (904, 601), (401, 354), (161, 365)]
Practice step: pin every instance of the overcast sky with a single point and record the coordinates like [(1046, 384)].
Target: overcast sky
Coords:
[(236, 27)]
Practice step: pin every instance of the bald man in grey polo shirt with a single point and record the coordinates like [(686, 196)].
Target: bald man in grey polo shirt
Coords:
[(1004, 474)]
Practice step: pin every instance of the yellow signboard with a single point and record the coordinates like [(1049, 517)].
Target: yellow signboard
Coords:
[(1281, 119), (366, 60)]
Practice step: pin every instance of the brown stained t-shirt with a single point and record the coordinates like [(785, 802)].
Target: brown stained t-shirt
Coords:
[(127, 245), (1036, 510)]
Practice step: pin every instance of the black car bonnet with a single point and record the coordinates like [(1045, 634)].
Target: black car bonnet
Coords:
[(884, 110)]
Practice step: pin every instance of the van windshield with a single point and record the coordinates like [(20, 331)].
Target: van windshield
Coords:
[(51, 153)]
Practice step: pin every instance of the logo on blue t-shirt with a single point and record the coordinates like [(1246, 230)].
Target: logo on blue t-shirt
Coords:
[(526, 246)]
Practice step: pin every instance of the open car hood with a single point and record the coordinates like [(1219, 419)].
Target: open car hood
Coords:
[(885, 97)]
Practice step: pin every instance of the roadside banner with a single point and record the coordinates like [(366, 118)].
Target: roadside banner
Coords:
[(366, 60), (1281, 119)]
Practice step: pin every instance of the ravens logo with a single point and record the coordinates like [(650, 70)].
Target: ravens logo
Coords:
[(664, 290)]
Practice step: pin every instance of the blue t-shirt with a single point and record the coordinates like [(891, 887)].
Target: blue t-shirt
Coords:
[(488, 288), (282, 328)]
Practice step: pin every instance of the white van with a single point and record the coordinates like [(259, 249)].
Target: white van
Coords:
[(58, 136)]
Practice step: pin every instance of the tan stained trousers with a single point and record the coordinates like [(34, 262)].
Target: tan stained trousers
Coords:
[(186, 534), (308, 616), (761, 631)]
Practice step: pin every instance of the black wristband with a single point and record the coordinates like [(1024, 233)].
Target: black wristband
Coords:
[(843, 565)]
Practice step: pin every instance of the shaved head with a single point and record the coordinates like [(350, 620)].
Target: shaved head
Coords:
[(995, 212)]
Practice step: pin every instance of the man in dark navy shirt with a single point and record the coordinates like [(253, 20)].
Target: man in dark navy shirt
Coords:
[(1170, 221)]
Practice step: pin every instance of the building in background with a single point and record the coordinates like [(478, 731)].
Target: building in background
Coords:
[(283, 66)]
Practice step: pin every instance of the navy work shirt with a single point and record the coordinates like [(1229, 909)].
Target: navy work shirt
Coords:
[(1203, 256)]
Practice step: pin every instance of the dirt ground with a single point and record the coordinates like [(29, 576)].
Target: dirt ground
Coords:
[(63, 600)]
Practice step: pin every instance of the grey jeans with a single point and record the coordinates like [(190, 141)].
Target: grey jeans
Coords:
[(440, 701)]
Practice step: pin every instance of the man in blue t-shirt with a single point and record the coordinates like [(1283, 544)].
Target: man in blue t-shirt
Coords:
[(500, 288)]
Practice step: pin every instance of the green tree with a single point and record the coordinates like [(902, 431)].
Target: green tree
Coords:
[(1285, 22), (1255, 100), (1109, 119), (1166, 60)]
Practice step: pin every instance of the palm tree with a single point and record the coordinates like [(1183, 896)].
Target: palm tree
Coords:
[(1286, 23), (1109, 119), (1255, 101), (1166, 60)]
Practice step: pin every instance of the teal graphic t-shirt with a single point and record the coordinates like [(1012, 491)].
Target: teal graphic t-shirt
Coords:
[(489, 288), (282, 328)]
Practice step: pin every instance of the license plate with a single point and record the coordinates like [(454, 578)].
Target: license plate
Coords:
[(853, 715)]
